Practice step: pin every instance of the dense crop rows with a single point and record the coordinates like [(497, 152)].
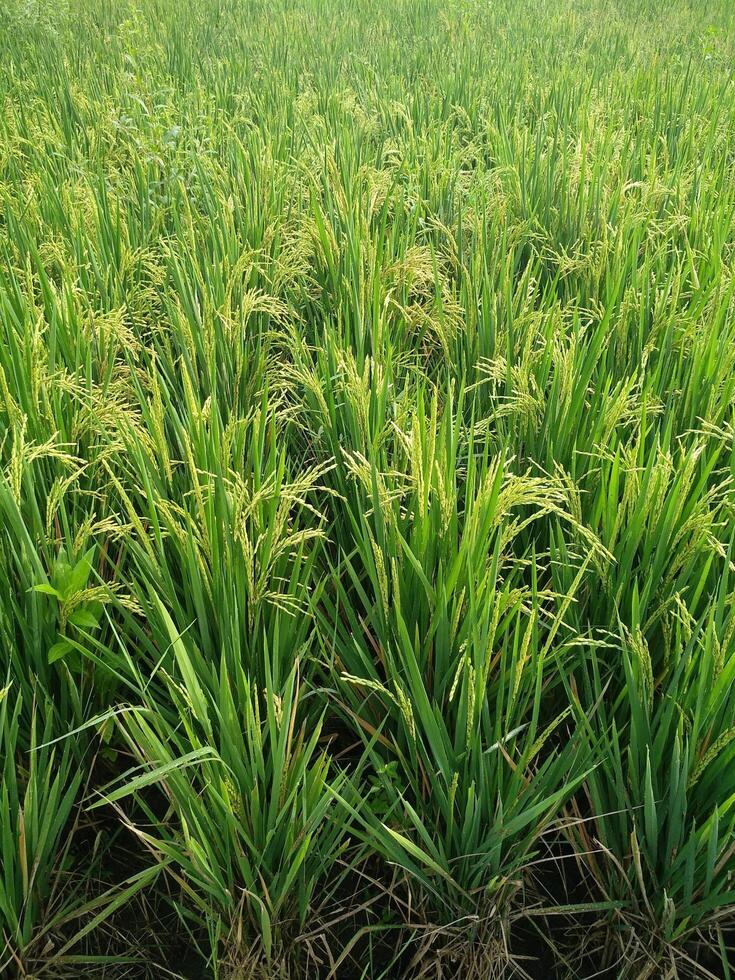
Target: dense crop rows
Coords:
[(367, 443)]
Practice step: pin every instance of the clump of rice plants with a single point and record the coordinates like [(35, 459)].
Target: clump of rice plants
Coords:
[(367, 458)]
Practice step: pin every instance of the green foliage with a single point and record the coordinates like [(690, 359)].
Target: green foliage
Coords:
[(38, 794), (47, 908), (367, 444), (251, 833), (662, 799)]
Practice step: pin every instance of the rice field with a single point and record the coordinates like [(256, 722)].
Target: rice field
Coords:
[(367, 515)]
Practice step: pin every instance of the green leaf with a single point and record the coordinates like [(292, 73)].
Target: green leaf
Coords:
[(59, 650), (48, 590)]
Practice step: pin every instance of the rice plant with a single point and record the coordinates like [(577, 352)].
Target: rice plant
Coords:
[(367, 444)]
